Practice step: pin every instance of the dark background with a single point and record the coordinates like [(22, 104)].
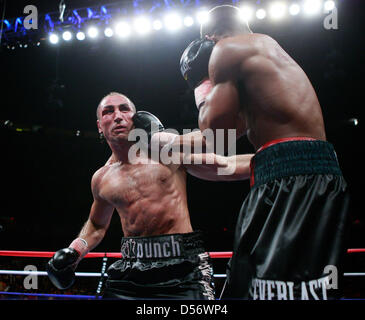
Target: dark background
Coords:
[(46, 174)]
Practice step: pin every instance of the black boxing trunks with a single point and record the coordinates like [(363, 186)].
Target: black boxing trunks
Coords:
[(289, 237), (173, 266)]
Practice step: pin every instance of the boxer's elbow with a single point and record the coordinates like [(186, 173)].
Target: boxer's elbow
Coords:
[(209, 119), (217, 118), (203, 119), (223, 127)]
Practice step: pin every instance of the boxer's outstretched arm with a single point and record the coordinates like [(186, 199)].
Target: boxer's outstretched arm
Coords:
[(213, 167), (195, 141)]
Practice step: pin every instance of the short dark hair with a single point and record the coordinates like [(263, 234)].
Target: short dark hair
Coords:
[(113, 93), (224, 16)]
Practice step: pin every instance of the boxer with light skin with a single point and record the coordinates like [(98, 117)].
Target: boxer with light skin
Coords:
[(151, 202), (247, 82)]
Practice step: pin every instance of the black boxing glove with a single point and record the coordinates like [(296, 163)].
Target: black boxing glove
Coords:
[(194, 61), (60, 268), (148, 122)]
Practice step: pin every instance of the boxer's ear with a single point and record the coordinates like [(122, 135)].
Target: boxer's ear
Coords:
[(98, 125)]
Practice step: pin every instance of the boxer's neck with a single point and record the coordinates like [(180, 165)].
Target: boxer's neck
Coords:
[(121, 153)]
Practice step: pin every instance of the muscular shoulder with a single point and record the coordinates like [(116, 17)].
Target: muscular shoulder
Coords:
[(97, 178), (250, 43), (229, 54)]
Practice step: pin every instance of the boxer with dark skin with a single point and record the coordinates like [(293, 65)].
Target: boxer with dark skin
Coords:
[(298, 198), (149, 197), (254, 80)]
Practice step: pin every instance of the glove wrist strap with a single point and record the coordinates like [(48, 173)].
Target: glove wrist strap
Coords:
[(81, 246)]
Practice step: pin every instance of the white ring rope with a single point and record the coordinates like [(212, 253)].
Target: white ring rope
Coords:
[(98, 274)]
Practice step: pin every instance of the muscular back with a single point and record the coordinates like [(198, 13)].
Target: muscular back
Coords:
[(149, 198), (275, 96)]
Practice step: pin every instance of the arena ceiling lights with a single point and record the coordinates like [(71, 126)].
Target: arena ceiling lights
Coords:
[(146, 18), (140, 25), (174, 21)]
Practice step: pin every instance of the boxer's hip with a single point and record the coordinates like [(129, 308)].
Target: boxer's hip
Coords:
[(167, 246), (170, 266), (291, 225), (292, 157)]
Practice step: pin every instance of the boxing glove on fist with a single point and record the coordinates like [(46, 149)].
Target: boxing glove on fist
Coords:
[(148, 122), (61, 267), (195, 60)]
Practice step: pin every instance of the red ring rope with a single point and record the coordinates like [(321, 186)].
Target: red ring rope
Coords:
[(49, 254)]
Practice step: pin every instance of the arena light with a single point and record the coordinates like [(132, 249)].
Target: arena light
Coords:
[(329, 5), (67, 36), (260, 14), (123, 29), (294, 9), (157, 25), (312, 7), (202, 16), (188, 21), (53, 38), (277, 10), (108, 32), (80, 36), (173, 21), (92, 32), (142, 25), (246, 13)]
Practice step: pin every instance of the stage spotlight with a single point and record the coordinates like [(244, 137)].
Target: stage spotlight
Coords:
[(67, 36), (123, 29), (246, 13), (108, 32), (188, 21), (329, 5), (294, 9), (142, 25), (92, 32), (80, 36), (53, 38), (157, 25), (202, 16), (277, 10), (172, 21), (312, 6), (260, 14)]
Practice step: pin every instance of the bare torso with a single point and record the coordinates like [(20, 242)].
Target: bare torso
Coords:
[(276, 97), (149, 198)]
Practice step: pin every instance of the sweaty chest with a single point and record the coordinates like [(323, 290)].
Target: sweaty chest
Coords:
[(124, 185)]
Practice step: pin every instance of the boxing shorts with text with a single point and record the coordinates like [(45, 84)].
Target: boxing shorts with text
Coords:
[(172, 266), (289, 240)]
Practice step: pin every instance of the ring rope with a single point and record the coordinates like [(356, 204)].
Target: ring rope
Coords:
[(49, 254), (104, 274), (72, 296)]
